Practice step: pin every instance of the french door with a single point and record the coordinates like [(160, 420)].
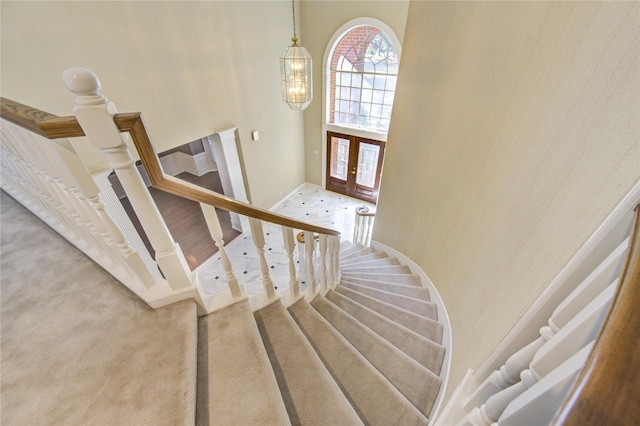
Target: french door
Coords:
[(354, 166)]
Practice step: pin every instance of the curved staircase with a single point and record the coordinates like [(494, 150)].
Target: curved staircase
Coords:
[(367, 352)]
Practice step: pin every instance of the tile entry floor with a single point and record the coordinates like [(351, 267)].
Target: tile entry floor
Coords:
[(309, 203)]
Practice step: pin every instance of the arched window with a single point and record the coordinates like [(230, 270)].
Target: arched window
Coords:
[(363, 74), (359, 82)]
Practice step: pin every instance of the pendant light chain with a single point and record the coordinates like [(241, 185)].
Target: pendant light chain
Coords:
[(293, 12)]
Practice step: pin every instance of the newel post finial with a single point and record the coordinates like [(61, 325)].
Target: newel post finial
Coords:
[(85, 85)]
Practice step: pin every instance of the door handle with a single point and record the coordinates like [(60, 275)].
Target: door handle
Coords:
[(353, 171)]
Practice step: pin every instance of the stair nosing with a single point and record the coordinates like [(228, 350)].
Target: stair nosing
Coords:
[(296, 402), (399, 287), (392, 307), (387, 346), (367, 274), (426, 303), (356, 353), (377, 269), (433, 340), (370, 263), (357, 254)]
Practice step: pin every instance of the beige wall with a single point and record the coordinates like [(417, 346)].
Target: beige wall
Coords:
[(320, 20), (515, 131), (189, 67)]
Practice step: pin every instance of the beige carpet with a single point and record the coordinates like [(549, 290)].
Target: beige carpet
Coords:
[(236, 385), (77, 347)]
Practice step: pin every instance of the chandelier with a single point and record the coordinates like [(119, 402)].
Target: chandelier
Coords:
[(296, 73)]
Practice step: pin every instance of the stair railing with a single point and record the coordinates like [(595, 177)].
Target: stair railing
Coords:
[(363, 226), (587, 354), (48, 177), (98, 120), (608, 387)]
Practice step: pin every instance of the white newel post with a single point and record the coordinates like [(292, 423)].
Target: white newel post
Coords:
[(94, 113)]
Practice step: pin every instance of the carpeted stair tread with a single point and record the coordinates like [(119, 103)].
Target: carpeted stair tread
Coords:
[(300, 373), (421, 293), (424, 349), (385, 261), (235, 371), (406, 279), (418, 384), (347, 247), (354, 254), (395, 269), (366, 258), (418, 323), (420, 307), (376, 400)]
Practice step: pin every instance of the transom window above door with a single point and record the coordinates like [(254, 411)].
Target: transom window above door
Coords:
[(364, 72)]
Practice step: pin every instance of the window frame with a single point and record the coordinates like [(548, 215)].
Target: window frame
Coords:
[(326, 83), (361, 98)]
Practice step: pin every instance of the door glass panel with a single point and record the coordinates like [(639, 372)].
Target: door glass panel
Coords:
[(367, 164), (339, 157)]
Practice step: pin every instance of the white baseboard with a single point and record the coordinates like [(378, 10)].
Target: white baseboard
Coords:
[(286, 197)]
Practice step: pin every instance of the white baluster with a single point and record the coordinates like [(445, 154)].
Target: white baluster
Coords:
[(323, 262), (213, 223), (309, 248), (302, 258), (336, 261), (590, 287), (571, 338), (258, 241), (132, 257), (113, 211), (539, 403), (370, 220), (509, 373), (331, 256), (294, 286), (366, 231), (489, 412), (93, 112), (14, 162), (79, 181), (48, 197), (357, 228)]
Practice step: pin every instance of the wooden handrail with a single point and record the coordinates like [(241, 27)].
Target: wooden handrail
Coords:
[(607, 390), (54, 127), (42, 123)]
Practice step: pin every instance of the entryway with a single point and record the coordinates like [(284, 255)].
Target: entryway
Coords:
[(354, 166)]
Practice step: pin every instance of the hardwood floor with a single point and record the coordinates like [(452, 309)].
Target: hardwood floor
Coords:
[(186, 222)]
